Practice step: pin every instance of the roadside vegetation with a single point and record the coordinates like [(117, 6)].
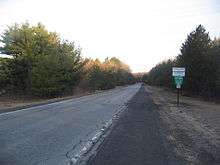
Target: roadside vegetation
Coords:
[(201, 57), (44, 65)]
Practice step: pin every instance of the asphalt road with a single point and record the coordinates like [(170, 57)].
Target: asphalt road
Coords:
[(43, 134), (137, 138)]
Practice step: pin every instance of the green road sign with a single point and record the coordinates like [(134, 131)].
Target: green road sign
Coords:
[(178, 80)]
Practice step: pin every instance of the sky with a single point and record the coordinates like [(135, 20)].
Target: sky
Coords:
[(139, 32)]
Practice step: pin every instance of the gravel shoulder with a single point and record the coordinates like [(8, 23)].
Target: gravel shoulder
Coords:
[(137, 137), (193, 128)]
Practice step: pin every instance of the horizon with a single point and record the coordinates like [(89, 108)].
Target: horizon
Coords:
[(129, 30)]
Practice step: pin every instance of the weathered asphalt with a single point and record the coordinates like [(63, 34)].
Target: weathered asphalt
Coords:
[(136, 138), (43, 134)]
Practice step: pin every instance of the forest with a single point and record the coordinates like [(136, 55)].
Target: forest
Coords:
[(43, 64), (200, 55)]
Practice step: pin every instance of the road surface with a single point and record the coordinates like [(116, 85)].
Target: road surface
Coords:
[(44, 134)]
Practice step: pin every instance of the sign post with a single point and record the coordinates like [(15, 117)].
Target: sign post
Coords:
[(178, 74)]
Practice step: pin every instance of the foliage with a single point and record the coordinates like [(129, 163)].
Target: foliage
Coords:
[(145, 78), (195, 57), (201, 58), (161, 74), (214, 77), (108, 74), (4, 72), (43, 65)]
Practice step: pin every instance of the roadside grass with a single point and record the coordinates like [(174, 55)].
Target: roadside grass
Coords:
[(193, 127)]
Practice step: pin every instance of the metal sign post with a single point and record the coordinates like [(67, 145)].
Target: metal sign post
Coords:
[(178, 97), (178, 82), (178, 74)]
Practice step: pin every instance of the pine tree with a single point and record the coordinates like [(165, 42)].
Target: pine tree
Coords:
[(194, 56)]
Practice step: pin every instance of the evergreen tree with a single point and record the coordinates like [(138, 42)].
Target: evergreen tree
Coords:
[(195, 58), (42, 64)]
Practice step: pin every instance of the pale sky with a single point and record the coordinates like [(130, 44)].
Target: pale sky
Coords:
[(139, 32)]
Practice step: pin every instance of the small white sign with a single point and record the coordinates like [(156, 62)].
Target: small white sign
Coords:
[(178, 71), (178, 86)]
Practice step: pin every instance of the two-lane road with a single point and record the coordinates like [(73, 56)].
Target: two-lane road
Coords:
[(43, 134)]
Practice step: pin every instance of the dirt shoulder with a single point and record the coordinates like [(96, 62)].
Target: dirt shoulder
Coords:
[(136, 138), (193, 128)]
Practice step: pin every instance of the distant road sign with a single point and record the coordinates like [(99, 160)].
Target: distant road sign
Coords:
[(178, 74), (178, 71), (178, 80)]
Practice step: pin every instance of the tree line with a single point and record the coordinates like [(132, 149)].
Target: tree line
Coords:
[(201, 57), (44, 65)]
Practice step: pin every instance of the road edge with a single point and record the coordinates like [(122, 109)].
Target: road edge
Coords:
[(50, 101)]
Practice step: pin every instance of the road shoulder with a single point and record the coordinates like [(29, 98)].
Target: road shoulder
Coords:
[(136, 138)]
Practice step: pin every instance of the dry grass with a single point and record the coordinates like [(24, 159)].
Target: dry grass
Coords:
[(193, 127)]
